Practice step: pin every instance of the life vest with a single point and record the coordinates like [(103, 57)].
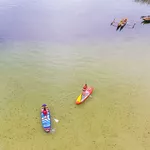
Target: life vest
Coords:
[(45, 112)]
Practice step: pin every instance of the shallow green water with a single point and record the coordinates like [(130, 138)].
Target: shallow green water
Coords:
[(116, 117)]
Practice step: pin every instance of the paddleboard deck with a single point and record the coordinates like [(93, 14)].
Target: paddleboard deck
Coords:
[(84, 95), (46, 120)]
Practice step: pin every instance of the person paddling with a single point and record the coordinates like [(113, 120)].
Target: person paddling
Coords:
[(84, 88), (122, 23), (44, 111)]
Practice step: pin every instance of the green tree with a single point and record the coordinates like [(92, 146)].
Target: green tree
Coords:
[(143, 1)]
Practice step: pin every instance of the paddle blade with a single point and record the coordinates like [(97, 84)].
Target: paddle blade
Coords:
[(56, 120), (53, 130), (112, 22), (134, 25)]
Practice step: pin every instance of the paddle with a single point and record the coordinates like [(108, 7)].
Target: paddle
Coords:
[(56, 120), (121, 27), (113, 22), (131, 26), (53, 130), (116, 25), (134, 25)]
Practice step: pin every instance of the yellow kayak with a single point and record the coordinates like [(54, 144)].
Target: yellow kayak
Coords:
[(82, 97)]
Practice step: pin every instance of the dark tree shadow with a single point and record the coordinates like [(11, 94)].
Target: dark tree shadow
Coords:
[(143, 1)]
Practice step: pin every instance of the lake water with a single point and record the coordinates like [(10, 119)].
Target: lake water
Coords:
[(49, 49)]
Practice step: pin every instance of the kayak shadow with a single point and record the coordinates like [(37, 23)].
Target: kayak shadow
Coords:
[(145, 22), (120, 27)]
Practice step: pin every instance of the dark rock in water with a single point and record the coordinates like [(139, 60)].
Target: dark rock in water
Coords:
[(33, 129), (94, 142)]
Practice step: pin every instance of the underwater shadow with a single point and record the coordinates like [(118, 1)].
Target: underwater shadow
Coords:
[(145, 22)]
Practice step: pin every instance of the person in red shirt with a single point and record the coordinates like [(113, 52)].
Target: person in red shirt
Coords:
[(84, 88), (44, 111)]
